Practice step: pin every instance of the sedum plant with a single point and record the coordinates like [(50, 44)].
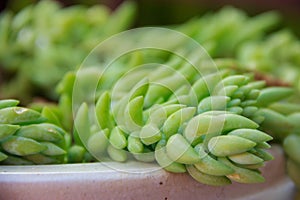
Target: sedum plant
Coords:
[(204, 125), (215, 126), (230, 33), (26, 137)]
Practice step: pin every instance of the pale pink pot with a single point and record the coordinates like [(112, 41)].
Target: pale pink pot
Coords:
[(134, 180)]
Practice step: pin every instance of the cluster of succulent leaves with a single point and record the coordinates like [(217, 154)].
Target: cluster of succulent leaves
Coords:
[(185, 128), (225, 32), (26, 137), (258, 44), (206, 125), (45, 37)]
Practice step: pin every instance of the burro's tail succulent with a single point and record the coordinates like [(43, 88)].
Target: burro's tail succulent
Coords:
[(27, 138), (205, 125)]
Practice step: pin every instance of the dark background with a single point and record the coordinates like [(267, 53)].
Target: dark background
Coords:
[(162, 12)]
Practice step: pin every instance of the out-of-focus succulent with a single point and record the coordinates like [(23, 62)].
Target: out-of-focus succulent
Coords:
[(42, 42)]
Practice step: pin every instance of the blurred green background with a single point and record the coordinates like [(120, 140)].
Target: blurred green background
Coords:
[(162, 12), (32, 46)]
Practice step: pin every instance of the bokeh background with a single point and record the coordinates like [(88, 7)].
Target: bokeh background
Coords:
[(26, 55), (162, 12)]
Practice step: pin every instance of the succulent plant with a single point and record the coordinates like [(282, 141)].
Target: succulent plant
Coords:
[(205, 125), (27, 138), (213, 125)]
